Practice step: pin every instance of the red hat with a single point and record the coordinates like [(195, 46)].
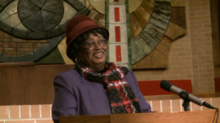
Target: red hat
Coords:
[(78, 25)]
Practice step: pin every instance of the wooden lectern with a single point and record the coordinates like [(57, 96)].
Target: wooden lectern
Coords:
[(206, 116)]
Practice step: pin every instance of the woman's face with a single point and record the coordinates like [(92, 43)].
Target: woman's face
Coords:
[(93, 52)]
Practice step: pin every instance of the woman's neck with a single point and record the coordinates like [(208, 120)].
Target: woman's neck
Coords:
[(97, 68)]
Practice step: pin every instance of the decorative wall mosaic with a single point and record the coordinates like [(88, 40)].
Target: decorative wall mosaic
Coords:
[(154, 25), (33, 31)]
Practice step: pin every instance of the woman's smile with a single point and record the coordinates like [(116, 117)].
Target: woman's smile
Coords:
[(98, 54)]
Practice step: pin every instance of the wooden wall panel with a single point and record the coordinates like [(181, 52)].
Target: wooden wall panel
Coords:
[(28, 84), (9, 86), (35, 85), (215, 21), (32, 84)]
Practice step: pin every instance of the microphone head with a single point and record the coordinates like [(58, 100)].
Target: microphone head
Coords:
[(165, 85)]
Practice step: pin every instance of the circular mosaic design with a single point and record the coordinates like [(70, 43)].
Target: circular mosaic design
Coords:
[(30, 30), (40, 15)]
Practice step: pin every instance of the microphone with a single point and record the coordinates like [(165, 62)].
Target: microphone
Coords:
[(183, 94)]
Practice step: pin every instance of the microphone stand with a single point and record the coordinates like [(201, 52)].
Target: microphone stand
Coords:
[(185, 104)]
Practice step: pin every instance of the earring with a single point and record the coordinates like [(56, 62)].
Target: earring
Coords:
[(76, 60)]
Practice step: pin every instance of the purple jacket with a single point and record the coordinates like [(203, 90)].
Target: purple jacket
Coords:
[(76, 96)]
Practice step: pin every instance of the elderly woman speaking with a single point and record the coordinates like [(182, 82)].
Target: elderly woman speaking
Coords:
[(95, 86)]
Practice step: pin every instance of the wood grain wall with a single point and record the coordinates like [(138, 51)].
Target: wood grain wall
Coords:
[(26, 83), (215, 20)]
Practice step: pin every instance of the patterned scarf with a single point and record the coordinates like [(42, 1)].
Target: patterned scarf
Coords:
[(120, 94)]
